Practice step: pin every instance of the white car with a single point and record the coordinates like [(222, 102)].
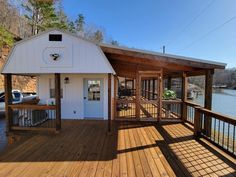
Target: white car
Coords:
[(17, 98)]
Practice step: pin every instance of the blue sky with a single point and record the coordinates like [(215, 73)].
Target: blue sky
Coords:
[(150, 24)]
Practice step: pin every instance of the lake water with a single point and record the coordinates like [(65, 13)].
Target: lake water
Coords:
[(223, 102)]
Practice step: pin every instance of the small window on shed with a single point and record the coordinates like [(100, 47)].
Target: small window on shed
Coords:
[(55, 37)]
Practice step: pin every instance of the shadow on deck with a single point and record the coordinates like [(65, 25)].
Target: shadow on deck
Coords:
[(83, 148)]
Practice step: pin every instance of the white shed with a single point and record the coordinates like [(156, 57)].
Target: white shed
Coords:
[(83, 67)]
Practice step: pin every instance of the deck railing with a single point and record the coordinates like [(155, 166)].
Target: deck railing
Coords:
[(190, 111), (33, 117), (217, 128), (171, 109)]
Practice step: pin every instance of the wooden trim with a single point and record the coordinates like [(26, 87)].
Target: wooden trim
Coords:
[(8, 101), (36, 107), (32, 128), (58, 100), (152, 73), (109, 102)]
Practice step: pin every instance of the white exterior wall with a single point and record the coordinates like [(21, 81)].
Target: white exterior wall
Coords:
[(75, 56), (73, 93)]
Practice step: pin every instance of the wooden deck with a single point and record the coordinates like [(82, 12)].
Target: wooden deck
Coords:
[(83, 148)]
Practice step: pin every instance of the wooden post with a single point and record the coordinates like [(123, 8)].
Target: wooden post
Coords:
[(137, 108), (208, 99), (184, 96), (58, 100), (8, 101), (145, 88), (133, 87), (109, 102), (169, 88), (153, 89), (197, 125), (160, 89), (115, 96), (149, 89)]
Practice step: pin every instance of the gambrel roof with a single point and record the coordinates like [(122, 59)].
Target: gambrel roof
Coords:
[(36, 55)]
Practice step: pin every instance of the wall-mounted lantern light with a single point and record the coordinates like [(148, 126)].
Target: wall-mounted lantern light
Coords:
[(67, 80)]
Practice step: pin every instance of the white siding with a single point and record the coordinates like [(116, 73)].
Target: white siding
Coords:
[(76, 56), (72, 93)]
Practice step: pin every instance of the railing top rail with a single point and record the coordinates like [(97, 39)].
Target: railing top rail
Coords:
[(192, 104), (172, 101), (219, 116), (35, 107)]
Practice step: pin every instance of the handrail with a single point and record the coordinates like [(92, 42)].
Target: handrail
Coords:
[(219, 116), (30, 106), (217, 128), (172, 101), (192, 104)]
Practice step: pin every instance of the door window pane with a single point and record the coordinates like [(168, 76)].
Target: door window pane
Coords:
[(94, 90)]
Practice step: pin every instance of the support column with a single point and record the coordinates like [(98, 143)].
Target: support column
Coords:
[(132, 87), (184, 96), (169, 88), (58, 100), (109, 102), (145, 88), (208, 89), (208, 99), (153, 89), (160, 89), (137, 108), (115, 95), (149, 89), (8, 101)]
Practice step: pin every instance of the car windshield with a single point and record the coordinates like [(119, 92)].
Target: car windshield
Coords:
[(16, 96)]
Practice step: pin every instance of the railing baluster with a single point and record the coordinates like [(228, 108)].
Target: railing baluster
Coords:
[(214, 128), (228, 137), (223, 136), (219, 132)]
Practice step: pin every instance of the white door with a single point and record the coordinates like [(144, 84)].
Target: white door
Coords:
[(93, 98)]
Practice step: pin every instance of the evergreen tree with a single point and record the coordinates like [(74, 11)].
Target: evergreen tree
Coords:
[(98, 36), (62, 18), (79, 23), (71, 27), (40, 14)]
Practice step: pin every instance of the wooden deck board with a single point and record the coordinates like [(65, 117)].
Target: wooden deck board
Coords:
[(84, 148)]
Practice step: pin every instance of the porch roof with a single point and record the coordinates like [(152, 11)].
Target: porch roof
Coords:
[(118, 55)]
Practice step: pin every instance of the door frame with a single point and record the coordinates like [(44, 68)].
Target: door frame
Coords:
[(85, 94), (149, 74)]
